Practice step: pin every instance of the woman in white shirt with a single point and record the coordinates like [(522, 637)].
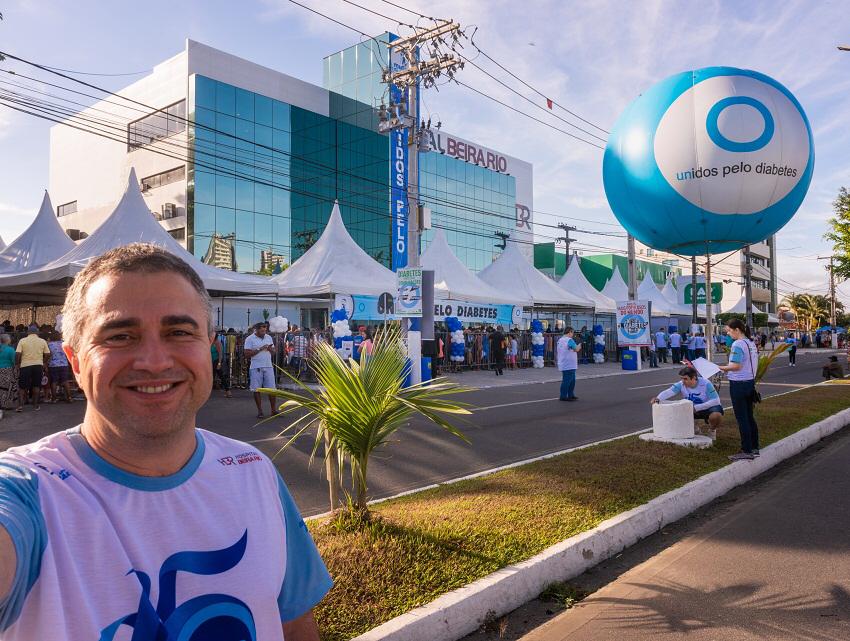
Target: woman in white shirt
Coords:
[(741, 371)]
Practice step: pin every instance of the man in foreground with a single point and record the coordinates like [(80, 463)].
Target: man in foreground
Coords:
[(701, 393), (137, 523)]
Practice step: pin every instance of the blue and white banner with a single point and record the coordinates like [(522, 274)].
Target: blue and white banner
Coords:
[(633, 323), (398, 171), (374, 308)]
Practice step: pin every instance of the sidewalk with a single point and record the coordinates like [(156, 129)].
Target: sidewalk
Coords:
[(775, 566), (483, 379)]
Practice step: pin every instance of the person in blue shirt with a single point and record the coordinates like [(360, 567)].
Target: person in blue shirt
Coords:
[(701, 393), (741, 372), (661, 345), (566, 352), (792, 350), (8, 380)]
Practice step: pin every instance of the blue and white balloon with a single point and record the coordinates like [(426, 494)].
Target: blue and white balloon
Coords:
[(708, 161)]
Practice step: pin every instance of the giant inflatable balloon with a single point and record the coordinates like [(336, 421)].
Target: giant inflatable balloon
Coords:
[(708, 161)]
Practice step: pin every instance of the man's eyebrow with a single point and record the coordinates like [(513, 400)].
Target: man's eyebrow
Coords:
[(178, 319), (119, 323)]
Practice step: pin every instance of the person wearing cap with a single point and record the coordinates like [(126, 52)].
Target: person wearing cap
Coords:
[(31, 357)]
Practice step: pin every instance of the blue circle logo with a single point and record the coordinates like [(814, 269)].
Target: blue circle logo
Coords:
[(730, 145), (633, 326)]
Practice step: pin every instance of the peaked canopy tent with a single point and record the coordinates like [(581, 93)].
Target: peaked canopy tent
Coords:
[(335, 264), (130, 222), (741, 308), (511, 269), (575, 282), (648, 290), (452, 279), (616, 288), (42, 242), (2, 244), (671, 295)]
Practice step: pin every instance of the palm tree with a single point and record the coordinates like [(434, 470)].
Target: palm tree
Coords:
[(360, 406), (808, 309)]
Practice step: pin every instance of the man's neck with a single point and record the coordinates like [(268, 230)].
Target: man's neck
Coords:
[(143, 456)]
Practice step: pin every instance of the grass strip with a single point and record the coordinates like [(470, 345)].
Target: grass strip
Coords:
[(426, 544)]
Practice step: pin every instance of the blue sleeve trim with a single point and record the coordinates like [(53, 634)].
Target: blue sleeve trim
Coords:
[(307, 579), (22, 518), (737, 355)]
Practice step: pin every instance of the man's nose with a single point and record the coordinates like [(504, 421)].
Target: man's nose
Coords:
[(154, 355)]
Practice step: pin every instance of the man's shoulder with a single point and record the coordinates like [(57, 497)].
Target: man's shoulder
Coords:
[(44, 454), (229, 451)]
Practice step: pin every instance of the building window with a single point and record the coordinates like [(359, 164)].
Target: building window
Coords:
[(160, 124), (178, 234), (760, 284), (67, 208), (164, 178)]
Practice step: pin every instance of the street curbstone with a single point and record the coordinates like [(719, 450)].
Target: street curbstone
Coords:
[(462, 611)]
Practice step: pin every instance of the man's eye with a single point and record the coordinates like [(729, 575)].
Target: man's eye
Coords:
[(118, 338), (181, 332)]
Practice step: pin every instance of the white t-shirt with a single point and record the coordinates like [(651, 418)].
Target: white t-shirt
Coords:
[(744, 352), (264, 358), (106, 554), (566, 354)]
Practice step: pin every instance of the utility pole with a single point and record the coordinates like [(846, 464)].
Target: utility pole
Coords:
[(632, 269), (831, 269), (566, 239), (407, 69), (709, 321), (748, 286), (694, 308)]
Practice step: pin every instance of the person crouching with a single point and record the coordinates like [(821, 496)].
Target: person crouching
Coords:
[(701, 393)]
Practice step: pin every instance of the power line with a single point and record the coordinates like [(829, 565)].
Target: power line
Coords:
[(327, 17), (527, 115), (535, 90)]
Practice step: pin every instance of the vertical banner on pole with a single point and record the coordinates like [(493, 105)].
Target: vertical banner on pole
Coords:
[(398, 172)]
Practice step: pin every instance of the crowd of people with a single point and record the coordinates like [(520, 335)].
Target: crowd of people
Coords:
[(35, 370)]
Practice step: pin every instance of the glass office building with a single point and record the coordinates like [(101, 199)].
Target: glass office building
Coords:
[(250, 181), (265, 174)]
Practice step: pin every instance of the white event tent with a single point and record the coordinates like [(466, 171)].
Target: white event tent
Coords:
[(130, 222), (616, 288), (43, 241), (648, 290), (671, 295), (575, 282), (335, 264), (2, 244), (452, 279), (741, 306), (512, 270)]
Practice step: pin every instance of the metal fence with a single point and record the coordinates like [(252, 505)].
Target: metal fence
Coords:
[(477, 350)]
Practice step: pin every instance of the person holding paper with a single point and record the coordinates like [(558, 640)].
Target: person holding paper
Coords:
[(741, 371), (701, 393)]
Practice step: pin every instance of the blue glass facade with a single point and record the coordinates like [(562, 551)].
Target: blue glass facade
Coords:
[(265, 174), (459, 193)]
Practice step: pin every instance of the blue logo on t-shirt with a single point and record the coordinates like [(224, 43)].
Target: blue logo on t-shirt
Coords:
[(209, 616)]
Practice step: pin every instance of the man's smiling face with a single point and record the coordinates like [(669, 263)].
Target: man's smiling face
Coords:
[(143, 357)]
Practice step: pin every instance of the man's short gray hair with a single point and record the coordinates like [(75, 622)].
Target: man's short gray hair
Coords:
[(136, 258), (5, 339)]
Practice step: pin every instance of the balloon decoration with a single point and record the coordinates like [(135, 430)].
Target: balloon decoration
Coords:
[(457, 347), (598, 344), (537, 347), (339, 321), (709, 161), (278, 325)]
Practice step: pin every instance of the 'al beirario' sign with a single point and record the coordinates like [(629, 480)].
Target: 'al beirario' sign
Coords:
[(467, 152)]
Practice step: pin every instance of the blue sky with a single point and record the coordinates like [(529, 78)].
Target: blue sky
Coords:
[(593, 57)]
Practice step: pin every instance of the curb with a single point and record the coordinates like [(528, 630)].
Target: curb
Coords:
[(462, 611)]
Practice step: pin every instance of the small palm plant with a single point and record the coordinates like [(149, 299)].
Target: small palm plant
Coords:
[(765, 360), (360, 406)]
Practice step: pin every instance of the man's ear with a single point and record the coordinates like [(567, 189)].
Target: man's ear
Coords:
[(73, 359)]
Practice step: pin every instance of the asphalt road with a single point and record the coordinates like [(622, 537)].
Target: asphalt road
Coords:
[(509, 424)]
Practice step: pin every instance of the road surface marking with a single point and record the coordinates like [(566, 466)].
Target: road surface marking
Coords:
[(650, 386), (493, 407)]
